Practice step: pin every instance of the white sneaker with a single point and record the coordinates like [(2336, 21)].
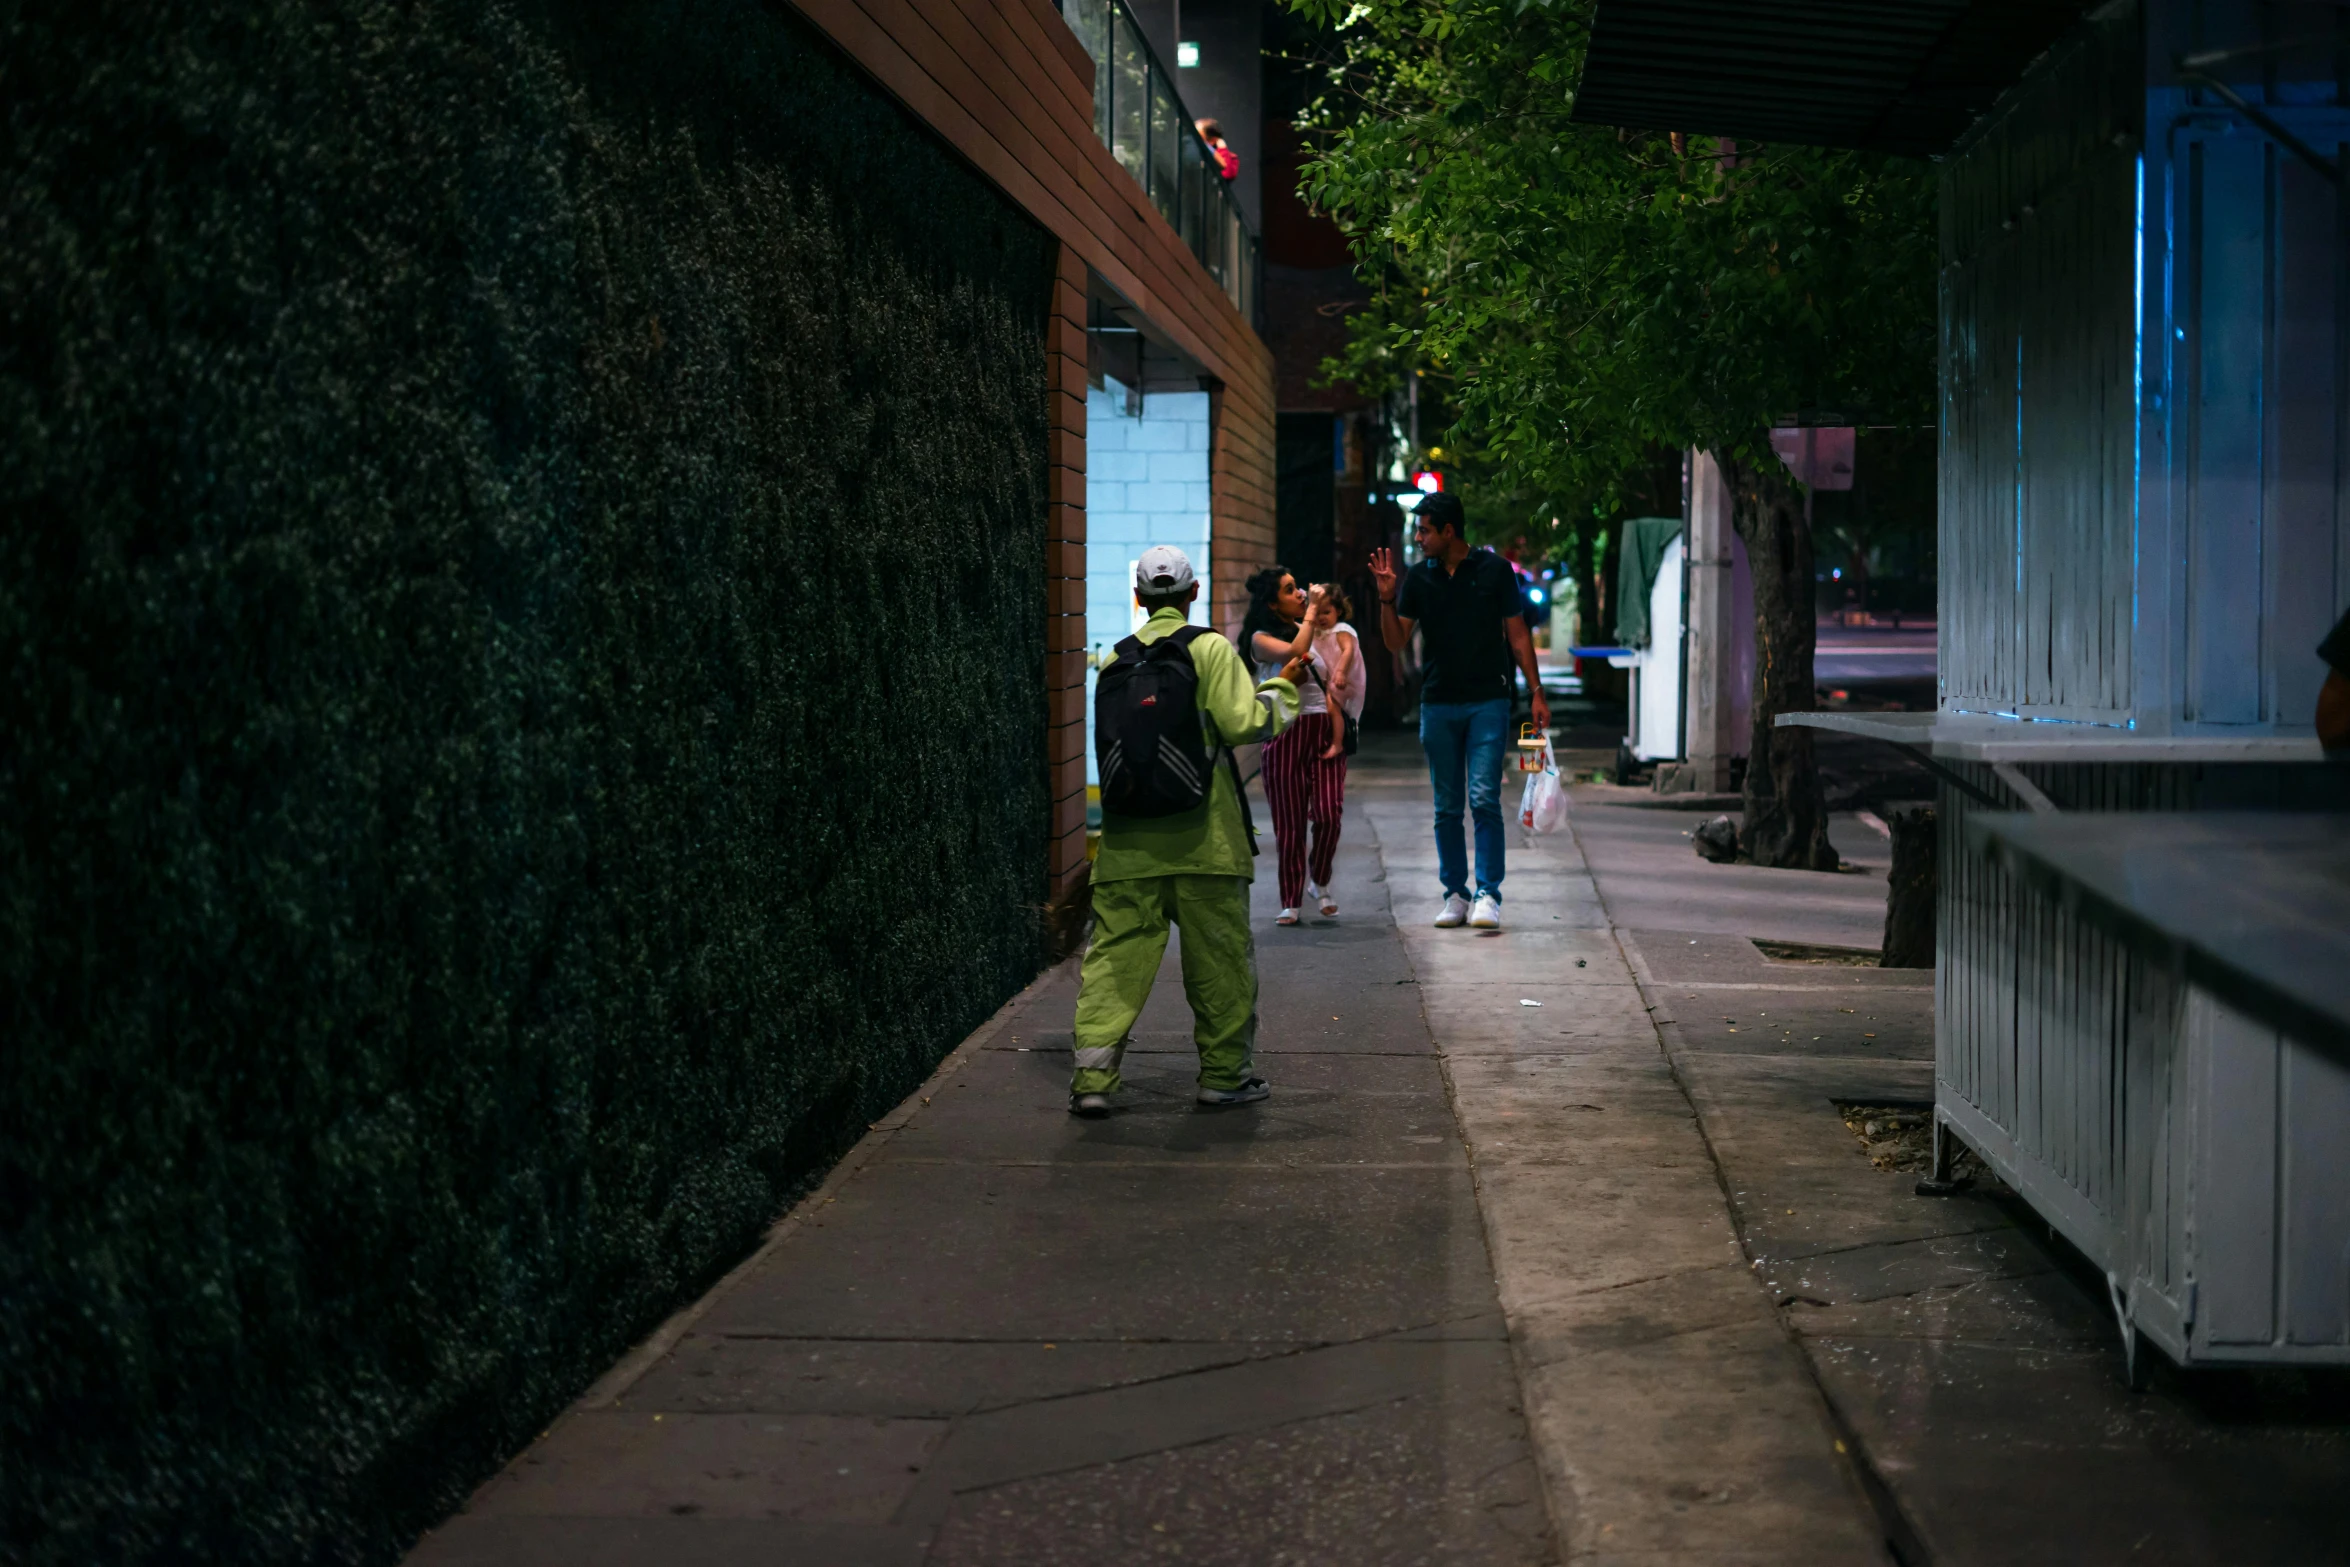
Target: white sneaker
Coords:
[(1487, 914), (1456, 912), (1286, 917)]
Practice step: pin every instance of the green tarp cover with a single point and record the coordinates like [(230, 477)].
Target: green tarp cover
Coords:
[(1645, 539)]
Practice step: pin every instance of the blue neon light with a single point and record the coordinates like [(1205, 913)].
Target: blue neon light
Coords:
[(2021, 718), (2019, 482), (2137, 405), (2137, 397)]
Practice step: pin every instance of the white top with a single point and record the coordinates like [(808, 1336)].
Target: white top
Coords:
[(1311, 697), (1353, 674), (1309, 690)]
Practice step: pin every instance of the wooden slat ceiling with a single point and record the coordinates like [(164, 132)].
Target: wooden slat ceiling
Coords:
[(1904, 76)]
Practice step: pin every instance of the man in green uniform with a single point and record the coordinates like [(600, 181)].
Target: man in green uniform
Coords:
[(1192, 869)]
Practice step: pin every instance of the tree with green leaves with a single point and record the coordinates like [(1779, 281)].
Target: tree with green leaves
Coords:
[(1592, 294)]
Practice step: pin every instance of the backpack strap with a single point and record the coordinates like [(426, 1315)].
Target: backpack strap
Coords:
[(1248, 818)]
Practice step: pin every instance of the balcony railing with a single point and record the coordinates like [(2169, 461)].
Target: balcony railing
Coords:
[(1139, 117)]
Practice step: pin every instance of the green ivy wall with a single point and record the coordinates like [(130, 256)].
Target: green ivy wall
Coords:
[(521, 716)]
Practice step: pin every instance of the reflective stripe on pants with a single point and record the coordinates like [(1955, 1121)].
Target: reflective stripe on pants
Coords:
[(1130, 924)]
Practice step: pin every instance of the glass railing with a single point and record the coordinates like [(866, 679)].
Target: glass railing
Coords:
[(1139, 117)]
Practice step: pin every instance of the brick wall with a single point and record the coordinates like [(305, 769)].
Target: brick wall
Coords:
[(1241, 469), (1065, 572)]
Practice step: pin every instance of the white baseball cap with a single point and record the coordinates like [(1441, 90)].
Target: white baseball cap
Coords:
[(1163, 569)]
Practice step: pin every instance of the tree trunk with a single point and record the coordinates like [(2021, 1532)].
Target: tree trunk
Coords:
[(1591, 583), (1590, 628), (1912, 887), (1786, 811)]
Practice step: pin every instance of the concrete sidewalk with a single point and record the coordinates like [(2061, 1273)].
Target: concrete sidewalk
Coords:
[(1003, 1335), (1552, 1245), (1465, 1290)]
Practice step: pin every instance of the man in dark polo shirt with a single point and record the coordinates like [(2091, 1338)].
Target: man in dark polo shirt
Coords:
[(1471, 618)]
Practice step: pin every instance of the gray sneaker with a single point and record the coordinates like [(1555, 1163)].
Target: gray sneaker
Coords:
[(1247, 1093), (1092, 1106)]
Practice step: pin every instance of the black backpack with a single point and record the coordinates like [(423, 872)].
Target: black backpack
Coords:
[(1148, 742)]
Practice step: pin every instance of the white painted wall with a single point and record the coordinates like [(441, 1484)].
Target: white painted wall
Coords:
[(1146, 482), (1656, 669)]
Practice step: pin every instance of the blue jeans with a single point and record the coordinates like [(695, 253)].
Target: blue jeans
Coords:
[(1458, 737)]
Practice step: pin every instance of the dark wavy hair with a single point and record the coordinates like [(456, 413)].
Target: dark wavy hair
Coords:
[(1443, 510), (1262, 616)]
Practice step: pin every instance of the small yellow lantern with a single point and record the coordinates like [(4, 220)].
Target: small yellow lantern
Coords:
[(1533, 749)]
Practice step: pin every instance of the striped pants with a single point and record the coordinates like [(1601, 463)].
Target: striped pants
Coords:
[(1301, 787)]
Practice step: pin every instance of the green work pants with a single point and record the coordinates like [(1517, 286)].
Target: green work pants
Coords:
[(1130, 920)]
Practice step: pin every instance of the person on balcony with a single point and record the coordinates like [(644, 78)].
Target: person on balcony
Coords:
[(1227, 161)]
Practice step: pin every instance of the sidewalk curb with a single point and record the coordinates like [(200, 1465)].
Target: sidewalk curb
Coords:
[(1902, 1542), (608, 1389)]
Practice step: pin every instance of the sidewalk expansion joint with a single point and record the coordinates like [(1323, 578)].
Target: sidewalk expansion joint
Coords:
[(1094, 1427), (1860, 1246), (910, 1514), (754, 1337), (1948, 1290), (1210, 1166), (1657, 1278), (1579, 1353), (1835, 990), (1279, 1355)]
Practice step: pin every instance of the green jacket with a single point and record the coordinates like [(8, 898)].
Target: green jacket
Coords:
[(1210, 839)]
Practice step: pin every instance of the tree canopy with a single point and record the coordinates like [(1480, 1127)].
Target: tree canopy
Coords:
[(1592, 294), (1597, 296)]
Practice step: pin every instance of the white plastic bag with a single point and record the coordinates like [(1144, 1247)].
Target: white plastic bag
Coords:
[(1543, 807)]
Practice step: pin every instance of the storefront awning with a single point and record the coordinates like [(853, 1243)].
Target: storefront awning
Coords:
[(1880, 74)]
